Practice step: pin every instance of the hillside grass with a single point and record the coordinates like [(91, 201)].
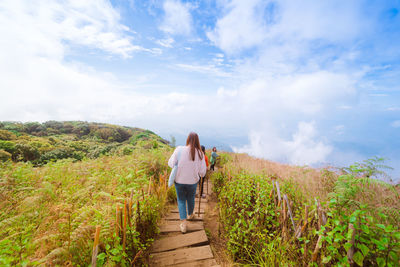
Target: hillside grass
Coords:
[(259, 233), (40, 143), (48, 214)]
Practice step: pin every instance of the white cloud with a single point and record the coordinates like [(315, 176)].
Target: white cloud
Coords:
[(177, 18), (242, 27), (205, 69), (302, 148), (395, 124), (271, 96), (393, 109), (258, 23), (46, 28), (37, 83), (345, 107), (312, 91), (167, 42), (222, 92), (326, 20)]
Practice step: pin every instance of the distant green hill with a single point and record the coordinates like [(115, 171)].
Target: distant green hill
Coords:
[(40, 143)]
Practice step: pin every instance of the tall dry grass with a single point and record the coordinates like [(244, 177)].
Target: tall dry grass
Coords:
[(318, 182), (48, 215), (324, 206), (312, 182)]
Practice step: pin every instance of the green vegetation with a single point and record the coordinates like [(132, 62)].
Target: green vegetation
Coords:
[(49, 212), (352, 219), (50, 141)]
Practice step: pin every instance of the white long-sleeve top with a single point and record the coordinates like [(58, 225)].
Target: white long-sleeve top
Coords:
[(188, 170)]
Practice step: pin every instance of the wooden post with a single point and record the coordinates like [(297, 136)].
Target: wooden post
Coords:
[(207, 176), (319, 215), (273, 189), (201, 182), (96, 246), (129, 212), (350, 252), (284, 220), (124, 226), (303, 229), (290, 212), (279, 193), (316, 249)]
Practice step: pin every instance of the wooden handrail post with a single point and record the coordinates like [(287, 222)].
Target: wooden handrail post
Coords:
[(284, 215), (290, 212), (316, 249), (124, 226), (350, 252), (201, 183), (96, 246), (304, 227), (279, 193)]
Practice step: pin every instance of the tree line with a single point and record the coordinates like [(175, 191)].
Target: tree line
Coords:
[(40, 143)]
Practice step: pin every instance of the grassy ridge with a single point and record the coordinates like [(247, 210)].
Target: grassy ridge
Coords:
[(48, 214), (40, 143), (259, 232)]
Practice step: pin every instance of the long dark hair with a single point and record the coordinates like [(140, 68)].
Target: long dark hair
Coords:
[(194, 143)]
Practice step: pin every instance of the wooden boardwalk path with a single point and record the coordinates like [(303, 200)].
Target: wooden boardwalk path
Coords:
[(172, 248)]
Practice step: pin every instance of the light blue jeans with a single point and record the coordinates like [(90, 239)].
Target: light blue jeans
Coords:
[(185, 193)]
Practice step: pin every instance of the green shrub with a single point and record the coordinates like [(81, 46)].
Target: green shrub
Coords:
[(26, 152), (248, 214), (7, 135), (4, 155), (127, 150), (8, 146)]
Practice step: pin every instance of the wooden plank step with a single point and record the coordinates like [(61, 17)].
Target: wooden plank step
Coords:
[(201, 263), (181, 256), (180, 241), (175, 216), (173, 226), (196, 210), (203, 200)]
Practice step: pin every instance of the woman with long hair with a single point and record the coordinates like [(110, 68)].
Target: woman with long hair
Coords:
[(191, 166)]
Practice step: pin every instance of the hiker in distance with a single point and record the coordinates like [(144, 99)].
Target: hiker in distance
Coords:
[(214, 156), (191, 166), (201, 182)]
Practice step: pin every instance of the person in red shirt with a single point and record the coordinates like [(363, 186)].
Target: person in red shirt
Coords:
[(201, 182)]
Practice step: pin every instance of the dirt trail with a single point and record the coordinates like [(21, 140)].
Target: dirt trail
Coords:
[(214, 231)]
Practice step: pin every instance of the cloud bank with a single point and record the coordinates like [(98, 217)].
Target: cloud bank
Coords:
[(291, 80)]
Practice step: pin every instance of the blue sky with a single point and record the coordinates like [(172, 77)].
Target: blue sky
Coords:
[(302, 82)]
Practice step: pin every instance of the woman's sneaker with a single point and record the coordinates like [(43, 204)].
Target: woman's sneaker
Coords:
[(183, 227), (191, 217)]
